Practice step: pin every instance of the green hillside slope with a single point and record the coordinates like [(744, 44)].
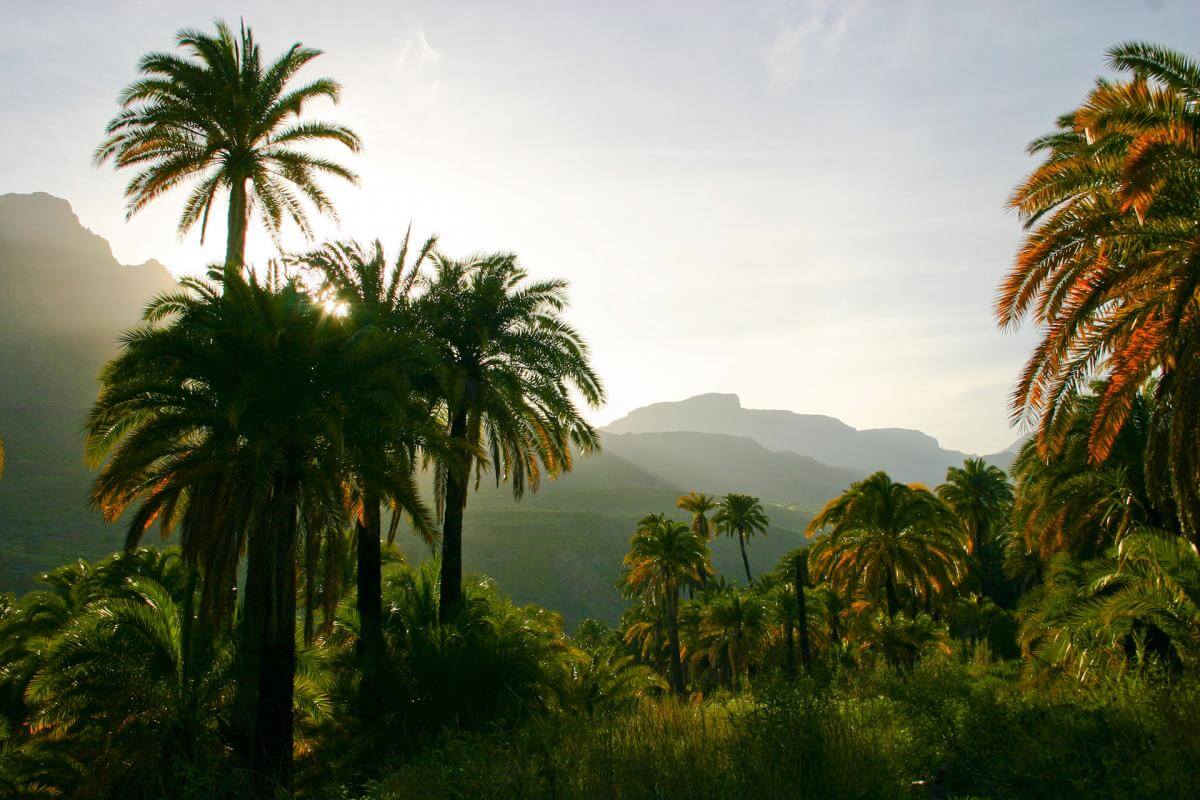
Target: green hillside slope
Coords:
[(64, 301), (562, 546)]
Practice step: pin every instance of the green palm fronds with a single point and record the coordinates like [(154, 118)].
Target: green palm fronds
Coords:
[(219, 117)]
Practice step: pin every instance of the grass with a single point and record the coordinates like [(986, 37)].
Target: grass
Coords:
[(857, 736)]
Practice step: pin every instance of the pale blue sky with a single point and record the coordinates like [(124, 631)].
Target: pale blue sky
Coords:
[(799, 202)]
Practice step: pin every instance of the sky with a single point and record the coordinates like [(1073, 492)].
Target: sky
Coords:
[(799, 202)]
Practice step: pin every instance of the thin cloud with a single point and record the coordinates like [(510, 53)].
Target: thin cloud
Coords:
[(802, 45), (417, 56)]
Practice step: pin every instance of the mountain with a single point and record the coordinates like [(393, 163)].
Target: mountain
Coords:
[(64, 301), (907, 455)]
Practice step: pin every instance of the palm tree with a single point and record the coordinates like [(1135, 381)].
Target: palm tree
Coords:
[(883, 536), (1108, 268), (222, 417), (901, 640), (1068, 502), (609, 679), (388, 423), (220, 118), (792, 603), (508, 363), (120, 664), (742, 516), (664, 556), (1140, 600), (979, 494), (699, 505), (731, 627)]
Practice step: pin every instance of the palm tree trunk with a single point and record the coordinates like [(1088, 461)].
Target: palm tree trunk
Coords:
[(790, 641), (835, 628), (452, 524), (735, 665), (801, 580), (370, 577), (312, 563), (269, 648), (893, 601), (745, 560), (675, 666), (187, 650), (235, 243)]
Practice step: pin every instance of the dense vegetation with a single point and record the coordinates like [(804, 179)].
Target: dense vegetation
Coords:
[(985, 638)]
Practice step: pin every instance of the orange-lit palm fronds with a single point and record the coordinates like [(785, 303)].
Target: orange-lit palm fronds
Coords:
[(1110, 267)]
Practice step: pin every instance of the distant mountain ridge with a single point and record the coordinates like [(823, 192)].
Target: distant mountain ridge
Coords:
[(907, 455), (64, 302)]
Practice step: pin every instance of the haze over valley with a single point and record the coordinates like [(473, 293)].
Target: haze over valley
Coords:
[(555, 548)]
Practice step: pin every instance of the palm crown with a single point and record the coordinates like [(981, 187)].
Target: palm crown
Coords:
[(507, 365), (219, 116), (979, 494), (742, 516), (883, 535), (664, 556), (698, 505), (1109, 266)]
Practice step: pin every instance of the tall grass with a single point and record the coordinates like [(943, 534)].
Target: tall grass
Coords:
[(860, 736)]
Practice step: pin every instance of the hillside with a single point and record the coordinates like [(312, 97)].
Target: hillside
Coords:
[(64, 301), (562, 546), (906, 454)]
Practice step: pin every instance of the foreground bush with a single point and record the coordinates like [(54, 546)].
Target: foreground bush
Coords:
[(868, 736)]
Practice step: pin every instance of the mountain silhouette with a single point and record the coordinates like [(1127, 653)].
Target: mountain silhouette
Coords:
[(64, 302), (907, 455)]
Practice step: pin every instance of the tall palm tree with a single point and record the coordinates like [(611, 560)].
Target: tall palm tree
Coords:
[(979, 494), (699, 505), (664, 556), (389, 422), (883, 536), (508, 363), (742, 516), (219, 117), (790, 583), (222, 417), (1108, 269)]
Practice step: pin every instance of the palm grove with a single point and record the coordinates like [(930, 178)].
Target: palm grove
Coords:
[(274, 422)]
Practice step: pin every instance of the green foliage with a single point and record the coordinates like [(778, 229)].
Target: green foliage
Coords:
[(885, 538), (1070, 503), (742, 516), (868, 734), (1137, 606), (257, 417), (116, 690)]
